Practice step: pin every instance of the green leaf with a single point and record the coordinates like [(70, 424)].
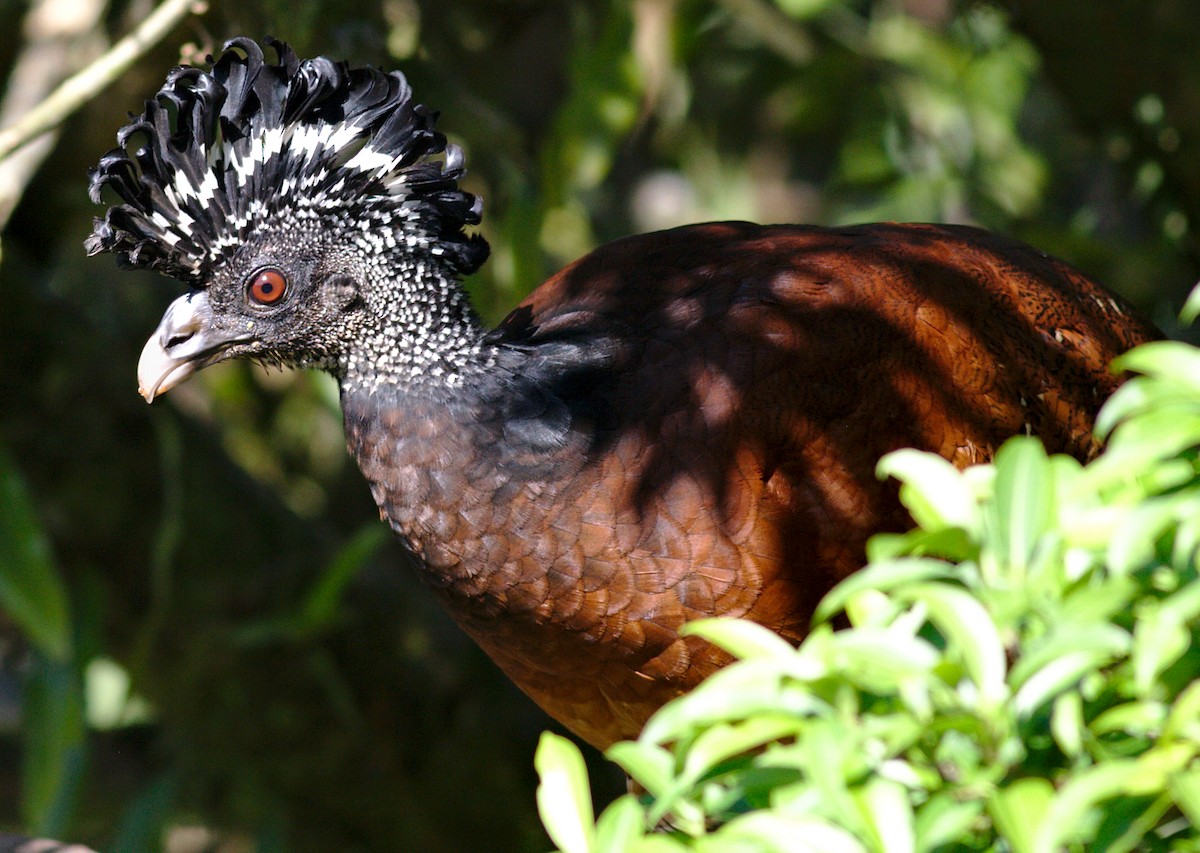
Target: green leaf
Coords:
[(785, 833), (1023, 507), (969, 629), (872, 608), (1135, 540), (1135, 396), (1183, 605), (1154, 767), (1173, 360), (646, 763), (945, 820), (31, 591), (750, 782), (757, 685), (932, 489), (726, 740), (1162, 635), (740, 637), (1139, 719), (1191, 310), (620, 825), (1185, 786), (1055, 677), (1099, 602), (1161, 432), (880, 660), (54, 748), (1186, 547), (1019, 810), (563, 796), (885, 576), (1066, 818), (888, 815), (1095, 643), (1066, 723), (110, 702), (1183, 720), (658, 844), (951, 543)]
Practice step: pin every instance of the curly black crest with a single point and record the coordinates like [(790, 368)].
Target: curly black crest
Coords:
[(250, 141)]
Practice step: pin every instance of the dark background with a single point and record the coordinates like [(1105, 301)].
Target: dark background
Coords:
[(206, 639)]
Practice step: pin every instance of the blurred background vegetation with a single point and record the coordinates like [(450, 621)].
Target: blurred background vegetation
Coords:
[(206, 640)]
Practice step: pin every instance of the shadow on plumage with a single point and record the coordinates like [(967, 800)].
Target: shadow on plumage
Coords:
[(680, 424)]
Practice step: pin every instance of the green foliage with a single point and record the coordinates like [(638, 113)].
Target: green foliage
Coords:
[(194, 626), (1022, 672), (947, 134), (31, 592), (33, 595), (53, 740)]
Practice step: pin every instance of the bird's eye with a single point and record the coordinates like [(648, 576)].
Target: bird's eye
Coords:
[(268, 287)]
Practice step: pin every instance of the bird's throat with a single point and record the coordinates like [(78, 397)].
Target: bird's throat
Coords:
[(417, 331)]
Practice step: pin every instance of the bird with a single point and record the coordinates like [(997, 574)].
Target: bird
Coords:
[(679, 425)]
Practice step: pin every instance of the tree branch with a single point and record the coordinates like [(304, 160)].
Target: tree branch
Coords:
[(86, 84)]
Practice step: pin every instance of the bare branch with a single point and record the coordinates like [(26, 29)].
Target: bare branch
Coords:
[(57, 37), (86, 84)]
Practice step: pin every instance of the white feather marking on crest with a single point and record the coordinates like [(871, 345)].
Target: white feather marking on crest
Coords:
[(342, 136), (184, 221), (183, 186), (370, 160), (208, 189), (242, 167)]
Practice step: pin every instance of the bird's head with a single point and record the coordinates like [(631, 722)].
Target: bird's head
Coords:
[(295, 199)]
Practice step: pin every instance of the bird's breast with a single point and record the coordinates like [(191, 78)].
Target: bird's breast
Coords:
[(584, 577)]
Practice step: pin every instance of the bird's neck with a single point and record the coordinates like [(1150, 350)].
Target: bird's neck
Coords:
[(428, 454), (417, 330), (410, 393), (451, 464)]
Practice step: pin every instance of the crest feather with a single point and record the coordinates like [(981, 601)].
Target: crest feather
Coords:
[(216, 151)]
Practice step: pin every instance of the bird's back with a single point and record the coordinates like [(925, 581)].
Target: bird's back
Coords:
[(687, 424)]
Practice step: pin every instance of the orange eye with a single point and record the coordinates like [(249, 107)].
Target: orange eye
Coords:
[(268, 287)]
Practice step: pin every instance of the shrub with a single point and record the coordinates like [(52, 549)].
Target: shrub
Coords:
[(1021, 670)]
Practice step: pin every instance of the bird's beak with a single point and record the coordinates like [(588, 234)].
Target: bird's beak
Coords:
[(184, 342)]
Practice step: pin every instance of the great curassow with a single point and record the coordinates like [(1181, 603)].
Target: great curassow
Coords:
[(679, 425)]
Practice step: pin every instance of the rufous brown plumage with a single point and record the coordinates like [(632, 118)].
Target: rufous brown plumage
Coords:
[(678, 425)]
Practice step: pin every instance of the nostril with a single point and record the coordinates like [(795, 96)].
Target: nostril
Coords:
[(176, 340)]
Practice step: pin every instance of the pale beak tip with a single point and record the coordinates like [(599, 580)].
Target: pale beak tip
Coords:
[(184, 342)]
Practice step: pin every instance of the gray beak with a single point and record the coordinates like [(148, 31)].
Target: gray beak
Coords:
[(184, 342)]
